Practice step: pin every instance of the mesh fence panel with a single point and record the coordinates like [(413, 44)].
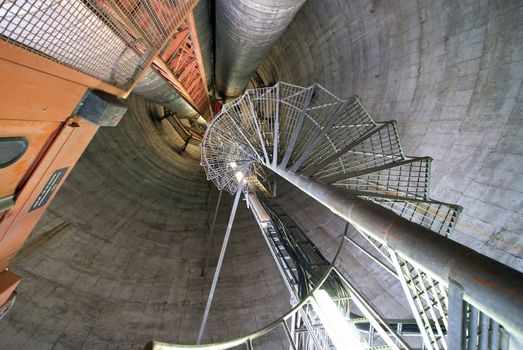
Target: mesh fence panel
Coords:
[(111, 41)]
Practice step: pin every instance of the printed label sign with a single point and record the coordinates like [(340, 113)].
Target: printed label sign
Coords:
[(49, 188)]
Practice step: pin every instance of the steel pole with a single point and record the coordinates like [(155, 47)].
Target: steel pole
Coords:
[(494, 288), (211, 233), (220, 261)]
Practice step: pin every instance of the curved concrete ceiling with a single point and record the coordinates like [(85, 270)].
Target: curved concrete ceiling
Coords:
[(116, 260)]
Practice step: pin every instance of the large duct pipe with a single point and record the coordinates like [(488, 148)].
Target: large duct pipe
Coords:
[(492, 287), (245, 32), (202, 21), (155, 88)]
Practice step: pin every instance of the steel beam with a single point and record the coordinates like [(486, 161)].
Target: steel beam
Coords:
[(490, 286), (289, 335), (276, 135), (220, 261), (258, 130), (317, 167), (211, 233), (320, 136), (345, 176), (367, 253), (297, 128)]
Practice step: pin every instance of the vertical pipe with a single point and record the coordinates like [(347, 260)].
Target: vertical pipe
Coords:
[(220, 261), (245, 32)]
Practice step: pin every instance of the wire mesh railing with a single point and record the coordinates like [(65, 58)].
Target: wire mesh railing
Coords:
[(313, 133), (111, 41)]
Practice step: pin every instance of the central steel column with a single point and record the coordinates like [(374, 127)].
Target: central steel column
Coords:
[(493, 288)]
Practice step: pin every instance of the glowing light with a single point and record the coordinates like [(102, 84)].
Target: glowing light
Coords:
[(341, 335), (233, 165), (239, 175)]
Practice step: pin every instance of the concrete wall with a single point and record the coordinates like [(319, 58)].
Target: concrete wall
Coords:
[(116, 260), (450, 73)]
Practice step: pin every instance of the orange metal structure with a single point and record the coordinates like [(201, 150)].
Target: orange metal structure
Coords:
[(47, 67), (37, 104), (181, 64), (8, 283)]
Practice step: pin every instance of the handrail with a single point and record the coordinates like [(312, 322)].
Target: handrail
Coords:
[(155, 345)]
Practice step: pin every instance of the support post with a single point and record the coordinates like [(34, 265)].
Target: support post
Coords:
[(276, 137), (455, 337), (311, 170), (321, 134), (220, 261), (297, 127), (211, 233), (186, 142)]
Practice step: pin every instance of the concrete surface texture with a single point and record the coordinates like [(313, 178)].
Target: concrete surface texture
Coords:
[(451, 74), (116, 260)]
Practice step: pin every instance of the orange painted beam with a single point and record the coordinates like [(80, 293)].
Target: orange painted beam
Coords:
[(197, 49), (183, 69), (8, 283), (161, 66), (160, 49), (15, 54)]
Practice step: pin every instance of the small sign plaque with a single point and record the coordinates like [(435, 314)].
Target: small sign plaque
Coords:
[(49, 188)]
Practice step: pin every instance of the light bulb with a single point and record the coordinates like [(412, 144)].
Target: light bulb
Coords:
[(341, 335), (239, 176)]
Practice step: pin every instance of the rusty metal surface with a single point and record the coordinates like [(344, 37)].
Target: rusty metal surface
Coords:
[(43, 102), (36, 106), (38, 135)]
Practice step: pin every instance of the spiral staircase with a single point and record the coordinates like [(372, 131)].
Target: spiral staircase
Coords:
[(311, 133)]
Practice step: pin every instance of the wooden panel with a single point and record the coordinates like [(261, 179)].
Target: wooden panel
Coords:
[(39, 136), (14, 54), (64, 152), (29, 94)]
